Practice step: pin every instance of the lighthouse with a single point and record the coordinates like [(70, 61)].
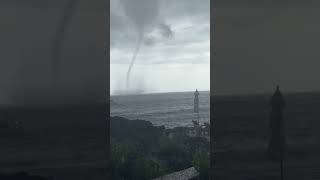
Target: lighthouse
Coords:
[(196, 104)]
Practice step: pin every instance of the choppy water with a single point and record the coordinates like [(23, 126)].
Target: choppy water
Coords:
[(168, 109)]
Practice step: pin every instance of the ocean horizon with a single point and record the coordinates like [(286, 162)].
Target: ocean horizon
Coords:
[(175, 109)]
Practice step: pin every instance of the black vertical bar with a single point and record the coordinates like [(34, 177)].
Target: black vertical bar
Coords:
[(107, 54), (281, 168)]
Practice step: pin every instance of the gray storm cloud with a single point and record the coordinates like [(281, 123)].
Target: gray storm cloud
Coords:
[(165, 30), (144, 15), (179, 36)]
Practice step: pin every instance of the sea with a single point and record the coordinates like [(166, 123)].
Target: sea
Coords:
[(162, 109)]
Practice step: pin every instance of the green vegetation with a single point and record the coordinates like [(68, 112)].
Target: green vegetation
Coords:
[(142, 151), (201, 162)]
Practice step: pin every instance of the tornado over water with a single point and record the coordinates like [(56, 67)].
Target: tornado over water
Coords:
[(142, 21), (147, 26), (135, 53)]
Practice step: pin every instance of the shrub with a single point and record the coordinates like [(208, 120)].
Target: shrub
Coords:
[(201, 162), (147, 168), (174, 154), (122, 160)]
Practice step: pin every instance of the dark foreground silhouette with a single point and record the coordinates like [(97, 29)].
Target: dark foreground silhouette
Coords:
[(21, 176)]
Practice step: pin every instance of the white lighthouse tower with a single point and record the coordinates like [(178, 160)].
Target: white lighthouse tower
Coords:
[(196, 104), (196, 123)]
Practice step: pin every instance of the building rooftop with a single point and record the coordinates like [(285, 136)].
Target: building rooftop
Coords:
[(187, 174)]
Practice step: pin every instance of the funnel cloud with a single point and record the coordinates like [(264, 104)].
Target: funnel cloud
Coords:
[(136, 51), (159, 40), (142, 21)]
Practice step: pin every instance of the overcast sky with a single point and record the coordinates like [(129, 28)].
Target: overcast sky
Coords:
[(175, 51), (264, 43)]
